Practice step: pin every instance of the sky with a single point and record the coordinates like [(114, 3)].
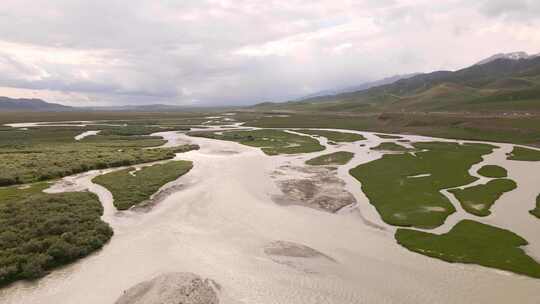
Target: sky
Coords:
[(240, 52)]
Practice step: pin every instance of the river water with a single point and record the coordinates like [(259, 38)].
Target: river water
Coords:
[(219, 221)]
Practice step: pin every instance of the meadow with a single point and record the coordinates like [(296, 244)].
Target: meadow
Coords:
[(518, 129), (336, 158), (524, 154), (44, 153), (472, 242), (493, 171), (390, 146), (271, 142), (338, 137), (478, 199), (130, 187), (405, 189)]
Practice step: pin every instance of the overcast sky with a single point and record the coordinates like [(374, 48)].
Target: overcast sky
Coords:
[(221, 52)]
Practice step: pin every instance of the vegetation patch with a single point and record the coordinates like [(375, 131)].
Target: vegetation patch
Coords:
[(405, 189), (40, 231), (493, 171), (51, 152), (334, 135), (272, 142), (523, 129), (478, 199), (390, 146), (386, 136), (473, 243), (130, 187), (536, 211), (336, 158), (141, 129), (524, 154)]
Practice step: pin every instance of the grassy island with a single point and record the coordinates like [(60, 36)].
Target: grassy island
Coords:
[(524, 154), (386, 136), (493, 171), (405, 189), (536, 211), (51, 152), (390, 146), (478, 199), (473, 243), (272, 142), (130, 187), (40, 231), (336, 158), (334, 136)]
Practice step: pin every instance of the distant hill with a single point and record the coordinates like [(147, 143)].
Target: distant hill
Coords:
[(156, 108), (23, 104), (360, 87), (502, 84), (37, 105), (136, 108)]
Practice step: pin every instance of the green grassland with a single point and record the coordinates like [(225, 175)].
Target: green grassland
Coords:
[(132, 189), (403, 197), (40, 231), (493, 171), (44, 153), (272, 142), (390, 146), (497, 127), (478, 199), (334, 135), (336, 158), (519, 129), (536, 211), (141, 129), (524, 154), (473, 243)]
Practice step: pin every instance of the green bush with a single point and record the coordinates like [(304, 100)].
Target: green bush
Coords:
[(536, 211), (40, 231)]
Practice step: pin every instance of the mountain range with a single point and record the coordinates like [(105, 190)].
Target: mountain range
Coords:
[(501, 83), (360, 87)]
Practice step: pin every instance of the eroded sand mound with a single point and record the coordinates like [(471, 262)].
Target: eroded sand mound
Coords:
[(172, 288), (294, 250), (317, 187), (299, 257)]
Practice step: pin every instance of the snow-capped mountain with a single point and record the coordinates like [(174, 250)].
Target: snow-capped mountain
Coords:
[(512, 56)]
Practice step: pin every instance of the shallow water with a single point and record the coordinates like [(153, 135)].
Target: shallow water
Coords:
[(219, 224), (86, 134)]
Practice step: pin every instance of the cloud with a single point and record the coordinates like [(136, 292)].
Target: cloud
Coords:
[(516, 10), (216, 52)]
